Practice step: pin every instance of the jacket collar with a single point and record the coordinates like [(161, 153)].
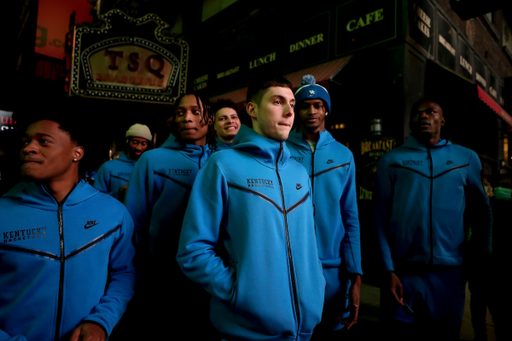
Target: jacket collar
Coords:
[(35, 194), (266, 151), (414, 143), (297, 139), (198, 154)]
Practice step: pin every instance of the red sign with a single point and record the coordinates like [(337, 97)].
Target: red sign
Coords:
[(6, 120), (129, 59), (53, 24)]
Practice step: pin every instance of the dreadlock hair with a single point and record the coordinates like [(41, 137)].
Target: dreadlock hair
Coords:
[(207, 115)]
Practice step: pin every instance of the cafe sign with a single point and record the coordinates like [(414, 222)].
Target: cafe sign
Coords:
[(129, 59)]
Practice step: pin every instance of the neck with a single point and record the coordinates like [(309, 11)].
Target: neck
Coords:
[(311, 135), (60, 189), (226, 141), (428, 140), (200, 142)]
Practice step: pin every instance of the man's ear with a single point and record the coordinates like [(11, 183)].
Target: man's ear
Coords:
[(79, 152), (251, 109), (443, 122)]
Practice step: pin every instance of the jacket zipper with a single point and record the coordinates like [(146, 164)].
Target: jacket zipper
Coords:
[(431, 232), (290, 259), (61, 280), (201, 156), (62, 259), (312, 178)]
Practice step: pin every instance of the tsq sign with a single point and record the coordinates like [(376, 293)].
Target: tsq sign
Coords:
[(129, 59)]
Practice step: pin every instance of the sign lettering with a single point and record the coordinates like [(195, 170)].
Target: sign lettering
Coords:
[(447, 45), (228, 72), (262, 61), (307, 42), (465, 64), (368, 19)]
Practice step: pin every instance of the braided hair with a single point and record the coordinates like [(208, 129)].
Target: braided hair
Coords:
[(207, 115)]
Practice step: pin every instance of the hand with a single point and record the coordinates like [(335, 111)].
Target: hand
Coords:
[(395, 286), (122, 192), (88, 332), (354, 294)]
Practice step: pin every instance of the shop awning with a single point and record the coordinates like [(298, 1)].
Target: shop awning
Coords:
[(491, 103), (322, 72)]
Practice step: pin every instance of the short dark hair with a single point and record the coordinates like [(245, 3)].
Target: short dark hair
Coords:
[(417, 104), (71, 120), (222, 103), (259, 85)]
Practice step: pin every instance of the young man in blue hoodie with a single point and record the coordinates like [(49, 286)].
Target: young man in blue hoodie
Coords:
[(248, 235), (332, 170), (425, 190), (113, 175), (66, 254), (226, 124), (157, 196)]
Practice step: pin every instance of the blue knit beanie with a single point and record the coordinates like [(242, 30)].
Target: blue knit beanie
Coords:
[(310, 90)]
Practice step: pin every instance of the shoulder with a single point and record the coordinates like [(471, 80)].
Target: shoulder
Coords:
[(103, 200), (223, 158)]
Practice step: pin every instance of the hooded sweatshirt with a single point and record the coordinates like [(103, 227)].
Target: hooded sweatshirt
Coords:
[(221, 145), (114, 174), (158, 193), (62, 264), (422, 194), (332, 171), (248, 238)]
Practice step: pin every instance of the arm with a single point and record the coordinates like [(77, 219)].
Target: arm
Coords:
[(354, 295), (479, 209), (200, 234), (120, 288), (382, 200), (351, 242), (383, 196), (139, 198)]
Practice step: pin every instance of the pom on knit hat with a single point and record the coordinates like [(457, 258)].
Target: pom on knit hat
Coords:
[(139, 130), (310, 90)]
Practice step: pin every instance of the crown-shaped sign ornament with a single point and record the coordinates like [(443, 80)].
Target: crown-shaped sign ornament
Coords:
[(129, 59)]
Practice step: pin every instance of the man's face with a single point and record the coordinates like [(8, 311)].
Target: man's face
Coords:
[(273, 117), (312, 114), (47, 153), (427, 120), (189, 122), (137, 146), (227, 124)]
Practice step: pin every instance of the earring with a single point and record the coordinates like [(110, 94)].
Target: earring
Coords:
[(75, 160)]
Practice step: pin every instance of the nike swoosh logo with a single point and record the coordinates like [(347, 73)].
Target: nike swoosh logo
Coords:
[(90, 224), (299, 186), (330, 161)]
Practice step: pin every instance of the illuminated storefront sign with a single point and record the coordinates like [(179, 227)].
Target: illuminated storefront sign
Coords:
[(6, 120), (143, 65), (447, 43), (308, 43), (421, 24), (363, 24)]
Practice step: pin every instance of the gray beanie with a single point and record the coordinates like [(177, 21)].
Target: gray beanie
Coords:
[(139, 130)]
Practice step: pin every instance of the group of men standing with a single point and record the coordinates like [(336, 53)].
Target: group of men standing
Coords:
[(255, 230)]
